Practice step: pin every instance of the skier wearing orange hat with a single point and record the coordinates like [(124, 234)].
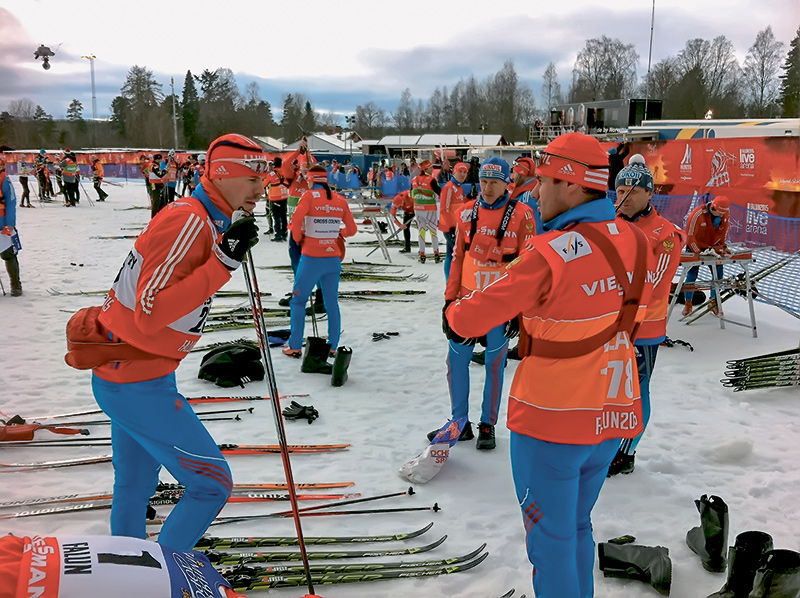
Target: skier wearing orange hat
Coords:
[(151, 319), (579, 287), (707, 228), (452, 200)]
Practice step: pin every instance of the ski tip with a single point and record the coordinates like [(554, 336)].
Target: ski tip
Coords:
[(509, 593)]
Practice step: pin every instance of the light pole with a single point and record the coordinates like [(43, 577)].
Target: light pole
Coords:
[(649, 57), (174, 116), (91, 58)]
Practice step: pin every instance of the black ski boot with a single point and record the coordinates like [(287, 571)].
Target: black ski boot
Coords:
[(466, 433), (12, 265), (649, 564), (710, 540), (478, 357), (421, 258), (315, 358), (778, 576), (623, 463), (319, 304), (284, 302), (340, 365), (743, 560), (485, 437)]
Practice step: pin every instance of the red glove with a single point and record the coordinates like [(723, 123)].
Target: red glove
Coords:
[(7, 230)]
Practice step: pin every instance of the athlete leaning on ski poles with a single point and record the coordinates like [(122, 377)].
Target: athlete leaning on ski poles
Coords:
[(152, 317)]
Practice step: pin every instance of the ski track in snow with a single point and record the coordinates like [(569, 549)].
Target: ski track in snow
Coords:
[(702, 438)]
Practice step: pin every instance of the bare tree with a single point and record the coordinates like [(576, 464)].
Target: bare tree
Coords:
[(404, 115), (605, 70), (761, 67), (23, 108), (551, 88), (371, 120)]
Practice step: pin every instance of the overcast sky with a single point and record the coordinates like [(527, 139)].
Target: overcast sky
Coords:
[(342, 54)]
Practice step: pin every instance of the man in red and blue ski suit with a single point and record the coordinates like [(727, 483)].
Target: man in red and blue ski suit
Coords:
[(152, 317)]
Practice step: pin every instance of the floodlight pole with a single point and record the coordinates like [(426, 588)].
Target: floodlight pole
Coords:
[(649, 57), (91, 58), (174, 115)]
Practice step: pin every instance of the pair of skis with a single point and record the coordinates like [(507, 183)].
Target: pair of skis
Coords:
[(739, 287), (779, 369)]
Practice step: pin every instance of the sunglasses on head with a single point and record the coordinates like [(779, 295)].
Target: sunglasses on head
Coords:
[(257, 165), (541, 157)]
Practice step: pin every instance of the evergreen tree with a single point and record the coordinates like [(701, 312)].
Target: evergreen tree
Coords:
[(144, 99), (190, 113), (790, 80), (75, 111), (291, 119), (309, 122)]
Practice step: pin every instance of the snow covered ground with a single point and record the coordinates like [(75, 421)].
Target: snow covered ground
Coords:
[(702, 438)]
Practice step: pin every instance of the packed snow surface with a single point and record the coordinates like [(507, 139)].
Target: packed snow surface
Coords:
[(702, 438)]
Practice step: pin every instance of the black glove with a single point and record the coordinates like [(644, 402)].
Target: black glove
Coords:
[(236, 242), (448, 332), (511, 328), (298, 411), (445, 323)]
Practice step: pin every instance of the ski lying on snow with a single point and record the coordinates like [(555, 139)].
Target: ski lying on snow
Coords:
[(192, 401), (65, 498), (54, 291), (161, 500), (14, 467), (346, 567), (226, 449), (212, 542), (284, 581), (229, 558)]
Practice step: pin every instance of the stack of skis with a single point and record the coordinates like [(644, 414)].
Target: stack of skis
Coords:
[(764, 371)]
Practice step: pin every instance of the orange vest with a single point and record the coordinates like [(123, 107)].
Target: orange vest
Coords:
[(666, 241), (277, 190), (592, 397), (317, 223), (480, 260), (452, 200)]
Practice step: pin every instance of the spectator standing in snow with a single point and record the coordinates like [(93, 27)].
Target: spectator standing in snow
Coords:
[(707, 229), (451, 202), (9, 238), (425, 192), (23, 170), (490, 232), (634, 187), (576, 393), (616, 161), (403, 201), (151, 318), (97, 178)]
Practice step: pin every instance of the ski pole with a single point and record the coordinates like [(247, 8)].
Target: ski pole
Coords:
[(254, 295), (2, 287), (222, 520)]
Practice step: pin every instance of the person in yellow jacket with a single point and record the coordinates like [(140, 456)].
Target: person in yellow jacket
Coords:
[(581, 288)]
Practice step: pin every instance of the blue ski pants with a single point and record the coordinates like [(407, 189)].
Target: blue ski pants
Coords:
[(152, 425), (646, 361), (458, 360), (691, 277), (557, 486), (311, 271), (450, 240)]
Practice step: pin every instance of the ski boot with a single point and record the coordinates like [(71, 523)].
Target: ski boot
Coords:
[(340, 364), (315, 358), (623, 463), (289, 352), (437, 257), (421, 258), (405, 250), (710, 539), (648, 564), (486, 440), (744, 558), (466, 433), (687, 308), (715, 308), (12, 265)]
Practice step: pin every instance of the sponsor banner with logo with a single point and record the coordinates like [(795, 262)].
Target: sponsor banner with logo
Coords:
[(758, 173)]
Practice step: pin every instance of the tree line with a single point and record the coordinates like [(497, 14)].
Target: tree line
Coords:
[(704, 75)]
